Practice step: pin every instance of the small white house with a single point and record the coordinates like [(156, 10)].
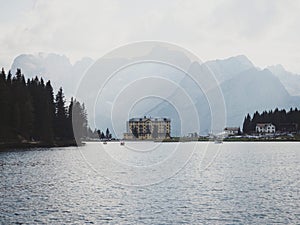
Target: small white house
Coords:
[(265, 128)]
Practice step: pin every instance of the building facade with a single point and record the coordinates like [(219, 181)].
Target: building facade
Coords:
[(265, 128), (148, 128), (232, 130)]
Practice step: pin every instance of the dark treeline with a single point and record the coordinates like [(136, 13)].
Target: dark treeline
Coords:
[(277, 117), (101, 135), (31, 112)]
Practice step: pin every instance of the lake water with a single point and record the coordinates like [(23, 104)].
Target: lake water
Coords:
[(152, 183)]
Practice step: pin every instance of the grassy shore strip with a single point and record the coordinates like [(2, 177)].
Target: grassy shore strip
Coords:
[(283, 138), (259, 140), (239, 139), (10, 146)]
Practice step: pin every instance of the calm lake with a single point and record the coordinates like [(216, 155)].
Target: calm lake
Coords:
[(152, 183)]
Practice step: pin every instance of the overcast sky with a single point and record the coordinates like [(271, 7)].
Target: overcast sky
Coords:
[(267, 32)]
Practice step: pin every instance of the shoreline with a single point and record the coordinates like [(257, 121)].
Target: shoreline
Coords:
[(235, 140), (11, 146)]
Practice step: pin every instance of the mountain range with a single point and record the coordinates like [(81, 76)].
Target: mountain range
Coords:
[(245, 87), (54, 67)]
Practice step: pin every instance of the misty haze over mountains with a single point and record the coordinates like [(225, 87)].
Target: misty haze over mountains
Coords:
[(245, 87), (54, 67)]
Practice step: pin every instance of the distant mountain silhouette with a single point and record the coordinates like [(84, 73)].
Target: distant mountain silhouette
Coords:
[(228, 68), (290, 80), (245, 87), (54, 67), (253, 90)]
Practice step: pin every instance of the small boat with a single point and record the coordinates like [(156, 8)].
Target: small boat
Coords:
[(122, 143)]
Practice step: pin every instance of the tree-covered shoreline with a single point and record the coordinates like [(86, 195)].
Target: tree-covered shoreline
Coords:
[(31, 115), (277, 117)]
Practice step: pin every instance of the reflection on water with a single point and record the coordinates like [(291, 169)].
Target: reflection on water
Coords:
[(240, 183)]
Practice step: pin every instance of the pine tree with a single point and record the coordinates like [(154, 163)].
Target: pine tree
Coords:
[(107, 133), (49, 112), (70, 120), (60, 116), (5, 105), (78, 119), (102, 135), (247, 124), (23, 109)]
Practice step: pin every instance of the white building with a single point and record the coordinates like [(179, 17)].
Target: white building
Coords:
[(265, 128)]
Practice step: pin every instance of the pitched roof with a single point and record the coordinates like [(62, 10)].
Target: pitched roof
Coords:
[(264, 124), (232, 128)]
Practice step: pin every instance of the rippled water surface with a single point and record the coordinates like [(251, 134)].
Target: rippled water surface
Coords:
[(150, 183)]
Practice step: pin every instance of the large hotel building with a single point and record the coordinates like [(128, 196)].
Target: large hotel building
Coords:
[(148, 128)]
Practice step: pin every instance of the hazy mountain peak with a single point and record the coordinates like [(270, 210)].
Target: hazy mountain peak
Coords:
[(54, 67), (170, 55), (225, 69), (84, 62), (240, 60), (276, 68), (290, 80)]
